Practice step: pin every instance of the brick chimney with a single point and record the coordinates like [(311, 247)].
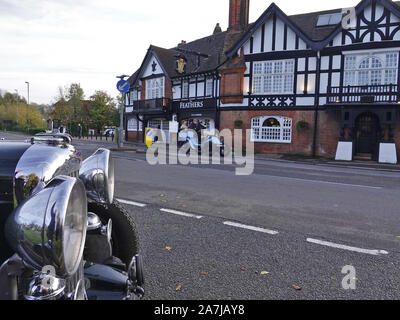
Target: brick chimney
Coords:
[(238, 14)]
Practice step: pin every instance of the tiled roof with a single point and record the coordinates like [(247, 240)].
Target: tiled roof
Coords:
[(208, 53), (307, 22)]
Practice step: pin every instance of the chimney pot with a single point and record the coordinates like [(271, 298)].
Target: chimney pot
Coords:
[(238, 14)]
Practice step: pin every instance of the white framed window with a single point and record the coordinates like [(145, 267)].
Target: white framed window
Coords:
[(273, 77), (158, 124), (133, 96), (134, 125), (364, 70), (275, 129), (155, 88), (185, 90), (209, 87)]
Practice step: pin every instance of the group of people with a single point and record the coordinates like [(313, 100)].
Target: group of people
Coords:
[(195, 125)]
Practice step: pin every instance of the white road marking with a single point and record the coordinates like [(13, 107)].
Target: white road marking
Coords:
[(180, 213), (132, 203), (336, 183), (344, 247), (238, 225)]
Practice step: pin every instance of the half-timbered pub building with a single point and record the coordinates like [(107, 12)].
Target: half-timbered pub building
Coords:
[(321, 83)]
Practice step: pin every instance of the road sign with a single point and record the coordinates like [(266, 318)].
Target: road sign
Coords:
[(148, 137), (123, 86)]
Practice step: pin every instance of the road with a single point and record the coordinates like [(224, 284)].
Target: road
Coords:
[(285, 232)]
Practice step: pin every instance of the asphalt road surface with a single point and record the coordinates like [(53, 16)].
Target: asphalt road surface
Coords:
[(289, 231)]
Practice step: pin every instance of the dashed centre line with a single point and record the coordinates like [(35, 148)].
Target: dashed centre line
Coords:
[(132, 203), (263, 230), (180, 213), (348, 248), (242, 226)]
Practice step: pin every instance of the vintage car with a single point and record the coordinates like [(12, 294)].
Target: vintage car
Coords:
[(63, 235)]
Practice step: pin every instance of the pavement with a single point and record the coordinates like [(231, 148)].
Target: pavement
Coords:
[(140, 147)]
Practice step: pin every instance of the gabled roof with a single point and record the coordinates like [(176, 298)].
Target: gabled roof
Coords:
[(305, 25), (272, 9), (392, 6), (201, 56)]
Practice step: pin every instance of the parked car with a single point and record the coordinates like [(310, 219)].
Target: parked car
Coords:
[(63, 235), (109, 132)]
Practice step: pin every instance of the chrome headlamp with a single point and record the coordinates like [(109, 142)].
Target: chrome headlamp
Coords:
[(49, 228), (97, 173)]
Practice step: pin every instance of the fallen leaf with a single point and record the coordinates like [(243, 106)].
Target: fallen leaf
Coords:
[(178, 288), (296, 287), (168, 248), (264, 272), (164, 201), (204, 273), (162, 195)]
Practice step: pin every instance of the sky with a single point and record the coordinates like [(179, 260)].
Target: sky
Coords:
[(53, 43)]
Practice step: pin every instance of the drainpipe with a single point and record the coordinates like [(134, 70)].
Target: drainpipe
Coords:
[(316, 103)]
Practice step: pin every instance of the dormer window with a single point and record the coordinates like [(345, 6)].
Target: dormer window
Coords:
[(329, 19)]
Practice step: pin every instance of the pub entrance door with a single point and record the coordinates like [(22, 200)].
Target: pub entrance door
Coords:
[(367, 135)]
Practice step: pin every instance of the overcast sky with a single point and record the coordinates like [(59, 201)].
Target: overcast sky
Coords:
[(53, 43)]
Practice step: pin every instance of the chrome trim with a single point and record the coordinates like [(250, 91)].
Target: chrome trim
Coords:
[(80, 291), (97, 173), (106, 230), (93, 222), (45, 287), (38, 227), (39, 164), (54, 138)]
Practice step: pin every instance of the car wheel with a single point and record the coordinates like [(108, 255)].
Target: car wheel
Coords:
[(124, 236)]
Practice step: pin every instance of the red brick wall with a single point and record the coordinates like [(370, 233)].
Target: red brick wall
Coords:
[(302, 141), (232, 85), (328, 135), (168, 89)]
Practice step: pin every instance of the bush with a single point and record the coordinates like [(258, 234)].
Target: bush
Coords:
[(238, 124), (302, 125)]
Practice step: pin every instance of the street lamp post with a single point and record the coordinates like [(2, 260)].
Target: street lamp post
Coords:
[(28, 120), (121, 115)]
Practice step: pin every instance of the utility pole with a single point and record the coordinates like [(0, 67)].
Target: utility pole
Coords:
[(121, 114)]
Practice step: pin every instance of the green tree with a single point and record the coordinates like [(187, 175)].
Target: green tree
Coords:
[(75, 96), (18, 115), (103, 110)]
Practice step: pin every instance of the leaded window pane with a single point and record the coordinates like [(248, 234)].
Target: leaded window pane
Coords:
[(257, 85), (349, 78), (392, 60), (278, 67), (390, 76), (375, 63), (376, 77), (350, 63), (258, 68), (268, 84), (277, 84)]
